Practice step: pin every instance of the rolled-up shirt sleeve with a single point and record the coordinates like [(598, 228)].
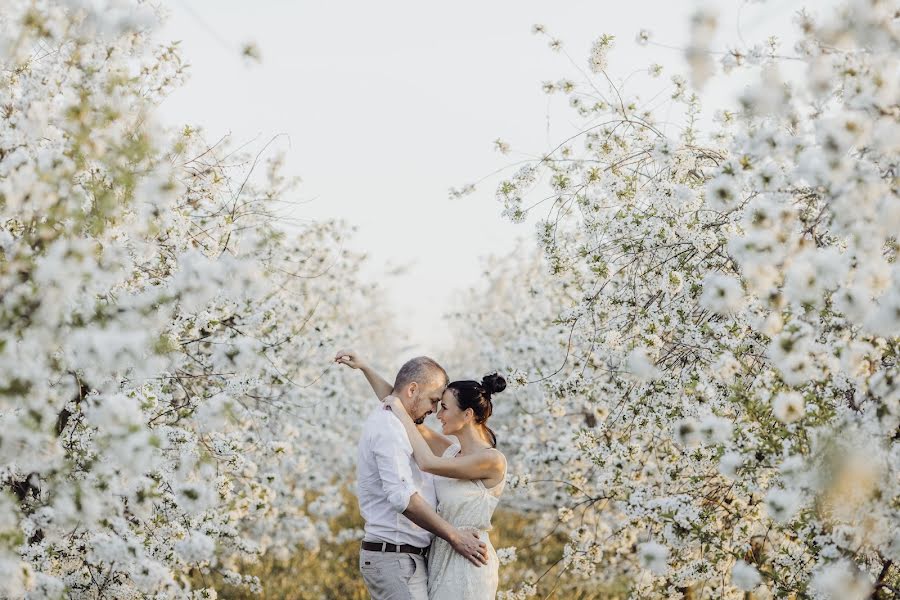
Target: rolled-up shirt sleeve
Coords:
[(392, 456)]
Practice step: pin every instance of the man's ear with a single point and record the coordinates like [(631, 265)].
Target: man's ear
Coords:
[(411, 389)]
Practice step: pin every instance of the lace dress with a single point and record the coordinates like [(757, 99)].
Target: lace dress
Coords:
[(465, 504)]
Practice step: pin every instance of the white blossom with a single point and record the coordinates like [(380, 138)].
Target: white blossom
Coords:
[(782, 504), (506, 555), (788, 407), (722, 294), (840, 580), (745, 576), (708, 328), (653, 557)]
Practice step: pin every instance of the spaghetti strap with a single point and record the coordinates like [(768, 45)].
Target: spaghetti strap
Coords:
[(491, 489), (453, 449)]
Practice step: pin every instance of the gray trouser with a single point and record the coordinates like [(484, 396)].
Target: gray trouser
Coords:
[(394, 575)]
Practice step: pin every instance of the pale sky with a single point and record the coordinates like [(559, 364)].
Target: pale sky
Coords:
[(388, 104)]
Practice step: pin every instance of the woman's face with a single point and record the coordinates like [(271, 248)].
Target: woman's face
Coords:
[(451, 417)]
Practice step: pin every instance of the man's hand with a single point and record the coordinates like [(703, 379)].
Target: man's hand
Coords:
[(352, 359), (468, 544), (465, 542), (349, 358)]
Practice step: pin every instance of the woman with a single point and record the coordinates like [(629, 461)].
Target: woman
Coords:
[(470, 476)]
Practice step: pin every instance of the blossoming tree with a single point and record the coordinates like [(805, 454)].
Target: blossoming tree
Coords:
[(709, 398), (159, 334)]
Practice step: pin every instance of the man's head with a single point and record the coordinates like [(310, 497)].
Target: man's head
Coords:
[(420, 385)]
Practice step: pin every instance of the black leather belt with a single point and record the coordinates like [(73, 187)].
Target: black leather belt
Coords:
[(385, 547)]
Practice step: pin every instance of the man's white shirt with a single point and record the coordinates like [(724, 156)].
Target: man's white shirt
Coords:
[(386, 477)]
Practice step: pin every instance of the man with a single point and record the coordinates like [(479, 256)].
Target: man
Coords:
[(396, 499)]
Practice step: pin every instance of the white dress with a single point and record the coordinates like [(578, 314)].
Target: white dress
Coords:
[(467, 505)]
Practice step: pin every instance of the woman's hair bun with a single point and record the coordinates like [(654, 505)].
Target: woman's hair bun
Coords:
[(493, 383)]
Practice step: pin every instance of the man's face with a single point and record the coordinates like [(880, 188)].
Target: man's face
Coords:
[(426, 400)]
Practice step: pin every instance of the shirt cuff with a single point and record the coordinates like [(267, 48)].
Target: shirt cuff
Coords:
[(399, 499)]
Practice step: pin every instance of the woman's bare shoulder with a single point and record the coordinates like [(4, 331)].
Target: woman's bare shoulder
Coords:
[(496, 457)]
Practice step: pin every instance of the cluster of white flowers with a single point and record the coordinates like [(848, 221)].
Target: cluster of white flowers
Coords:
[(600, 52), (506, 555), (158, 332), (706, 347)]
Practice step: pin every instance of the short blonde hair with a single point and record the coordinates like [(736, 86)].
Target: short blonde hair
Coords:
[(422, 370)]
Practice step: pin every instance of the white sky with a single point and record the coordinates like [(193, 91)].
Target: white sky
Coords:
[(388, 104)]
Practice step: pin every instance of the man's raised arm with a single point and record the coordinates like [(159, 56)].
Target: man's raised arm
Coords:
[(353, 360)]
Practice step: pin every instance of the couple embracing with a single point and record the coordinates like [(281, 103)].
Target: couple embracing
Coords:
[(427, 497)]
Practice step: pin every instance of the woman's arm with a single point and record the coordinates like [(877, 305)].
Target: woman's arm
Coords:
[(350, 358), (436, 441), (483, 465)]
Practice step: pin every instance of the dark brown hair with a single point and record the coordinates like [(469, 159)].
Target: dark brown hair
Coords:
[(477, 396)]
